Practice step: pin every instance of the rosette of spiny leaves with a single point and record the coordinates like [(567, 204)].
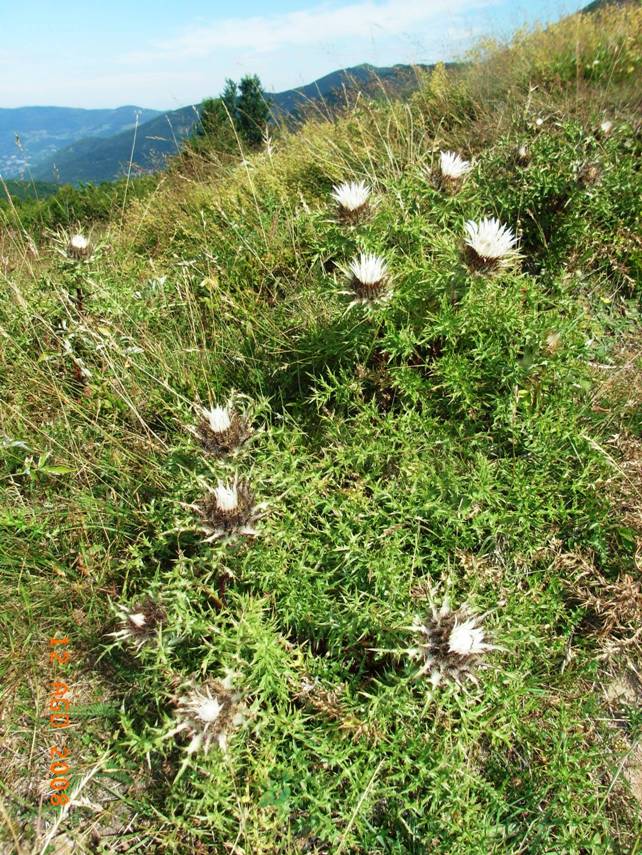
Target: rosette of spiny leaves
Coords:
[(209, 712), (140, 623), (450, 644), (229, 511)]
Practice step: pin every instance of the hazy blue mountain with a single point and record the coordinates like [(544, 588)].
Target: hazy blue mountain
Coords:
[(42, 131), (96, 159)]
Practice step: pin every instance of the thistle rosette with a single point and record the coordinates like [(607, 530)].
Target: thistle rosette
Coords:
[(139, 624), (229, 512), (450, 645), (209, 713), (222, 430)]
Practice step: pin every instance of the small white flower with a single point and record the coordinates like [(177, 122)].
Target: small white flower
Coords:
[(491, 242), (369, 269), (79, 247), (227, 498), (539, 122), (352, 196), (453, 166), (218, 418), (222, 430), (606, 127), (369, 280), (466, 639), (209, 713), (139, 624), (228, 511), (450, 644)]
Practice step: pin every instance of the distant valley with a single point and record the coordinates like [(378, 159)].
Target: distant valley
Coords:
[(67, 146)]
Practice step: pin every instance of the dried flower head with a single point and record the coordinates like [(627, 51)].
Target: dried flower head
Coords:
[(79, 247), (453, 170), (451, 644), (588, 174), (139, 623), (222, 430), (228, 511), (553, 342), (209, 713), (490, 245), (369, 280), (606, 127), (352, 198), (539, 122), (523, 155)]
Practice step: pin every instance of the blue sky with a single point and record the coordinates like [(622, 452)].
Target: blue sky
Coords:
[(167, 53)]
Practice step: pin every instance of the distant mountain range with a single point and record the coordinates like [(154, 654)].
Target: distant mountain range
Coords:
[(69, 146)]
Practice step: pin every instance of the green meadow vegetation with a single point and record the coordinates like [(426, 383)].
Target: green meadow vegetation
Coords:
[(474, 440)]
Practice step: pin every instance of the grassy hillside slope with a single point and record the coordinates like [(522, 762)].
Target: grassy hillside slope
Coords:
[(475, 438)]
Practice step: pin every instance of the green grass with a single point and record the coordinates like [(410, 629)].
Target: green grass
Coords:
[(443, 445)]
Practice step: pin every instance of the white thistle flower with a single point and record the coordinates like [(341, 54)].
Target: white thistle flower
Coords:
[(450, 645), (369, 280), (79, 247), (453, 166), (219, 419), (227, 498), (228, 511), (492, 245), (208, 714), (222, 430), (352, 198), (139, 624)]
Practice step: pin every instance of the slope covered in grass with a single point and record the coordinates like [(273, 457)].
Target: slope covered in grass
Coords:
[(475, 438)]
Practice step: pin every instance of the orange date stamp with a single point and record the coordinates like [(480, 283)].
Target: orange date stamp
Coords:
[(59, 719)]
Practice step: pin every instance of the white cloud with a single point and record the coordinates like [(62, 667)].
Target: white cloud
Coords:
[(324, 23)]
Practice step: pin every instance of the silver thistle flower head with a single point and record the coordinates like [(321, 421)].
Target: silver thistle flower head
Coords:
[(222, 430), (228, 511), (79, 247), (453, 166), (450, 645), (139, 624), (369, 280), (209, 713), (352, 198), (490, 244)]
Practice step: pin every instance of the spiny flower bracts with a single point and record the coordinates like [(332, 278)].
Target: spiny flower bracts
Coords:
[(490, 245), (209, 713), (450, 645), (369, 280), (228, 511), (352, 198), (222, 430), (140, 623)]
